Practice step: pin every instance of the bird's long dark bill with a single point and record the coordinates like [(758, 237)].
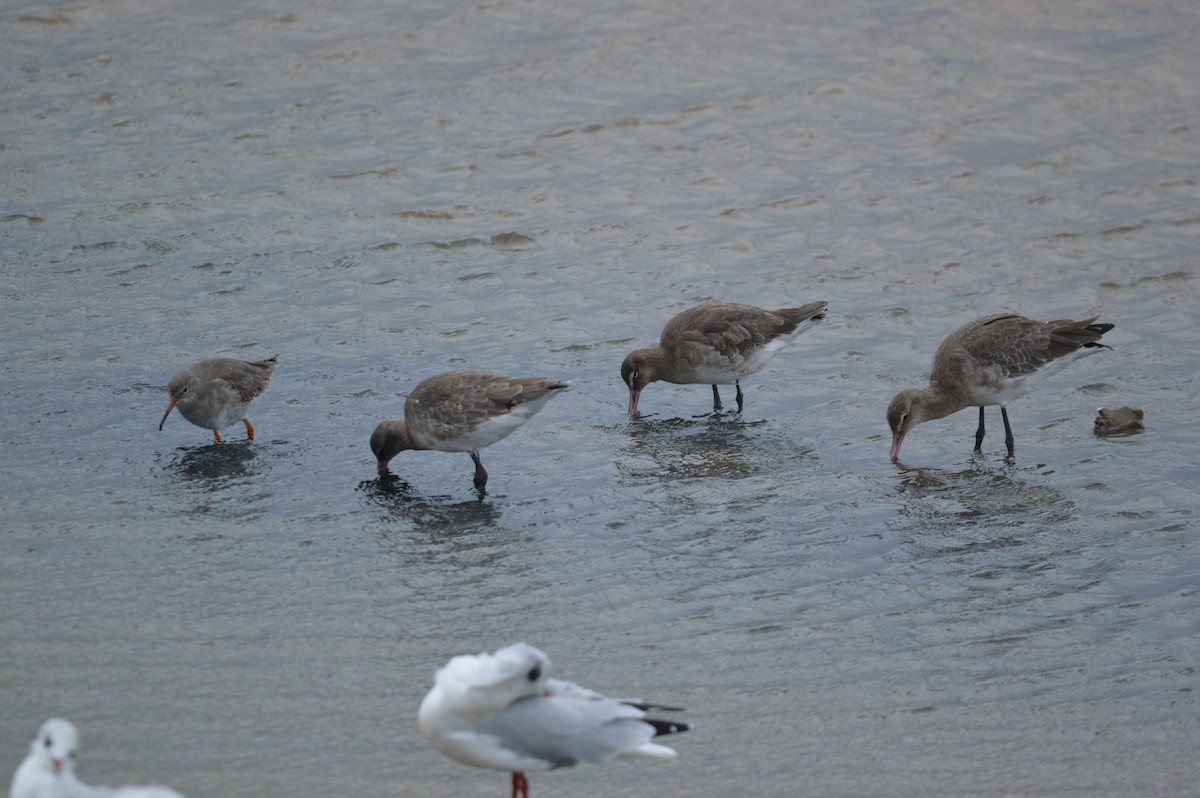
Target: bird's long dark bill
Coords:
[(633, 401), (897, 439), (170, 407)]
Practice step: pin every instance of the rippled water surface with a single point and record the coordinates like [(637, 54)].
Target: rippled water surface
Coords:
[(380, 191)]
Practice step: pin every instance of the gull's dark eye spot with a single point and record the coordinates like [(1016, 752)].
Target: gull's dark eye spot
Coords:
[(535, 673), (46, 742)]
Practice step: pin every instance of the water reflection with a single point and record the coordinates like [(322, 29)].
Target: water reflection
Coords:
[(401, 502), (214, 464), (714, 445), (455, 548), (994, 551), (974, 507), (220, 480)]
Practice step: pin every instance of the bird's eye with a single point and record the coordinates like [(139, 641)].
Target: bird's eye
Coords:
[(535, 673), (634, 375), (47, 741)]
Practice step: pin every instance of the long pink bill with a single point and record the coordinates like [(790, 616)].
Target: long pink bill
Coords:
[(170, 407)]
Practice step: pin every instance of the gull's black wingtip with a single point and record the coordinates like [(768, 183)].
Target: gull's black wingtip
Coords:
[(662, 727)]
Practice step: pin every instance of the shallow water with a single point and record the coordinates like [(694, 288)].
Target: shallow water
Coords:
[(379, 192)]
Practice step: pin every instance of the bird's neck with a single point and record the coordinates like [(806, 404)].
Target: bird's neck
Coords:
[(656, 365), (403, 439), (937, 401)]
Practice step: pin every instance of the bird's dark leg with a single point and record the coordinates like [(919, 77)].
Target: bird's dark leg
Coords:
[(1008, 436), (717, 406), (480, 476), (979, 432), (520, 785), (740, 398)]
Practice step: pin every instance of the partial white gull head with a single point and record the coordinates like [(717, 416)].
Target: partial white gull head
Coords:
[(49, 763)]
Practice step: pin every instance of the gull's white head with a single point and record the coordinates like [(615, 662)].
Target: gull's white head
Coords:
[(49, 767), (479, 685), (496, 680), (54, 748)]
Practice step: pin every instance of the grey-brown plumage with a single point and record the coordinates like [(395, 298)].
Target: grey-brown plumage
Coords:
[(215, 393), (992, 361), (716, 344), (462, 411)]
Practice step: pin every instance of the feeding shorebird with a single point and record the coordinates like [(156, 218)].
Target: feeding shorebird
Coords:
[(992, 361), (462, 411), (48, 770), (215, 393), (503, 711), (716, 344)]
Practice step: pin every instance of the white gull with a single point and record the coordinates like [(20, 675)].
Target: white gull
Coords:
[(503, 711), (48, 770)]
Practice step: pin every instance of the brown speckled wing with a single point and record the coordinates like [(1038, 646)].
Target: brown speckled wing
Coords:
[(728, 330), (449, 405), (1015, 344)]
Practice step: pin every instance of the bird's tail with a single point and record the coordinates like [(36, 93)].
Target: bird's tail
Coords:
[(1069, 336)]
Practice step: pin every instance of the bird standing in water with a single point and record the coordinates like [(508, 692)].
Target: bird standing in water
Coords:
[(716, 344), (215, 393), (462, 411), (992, 361)]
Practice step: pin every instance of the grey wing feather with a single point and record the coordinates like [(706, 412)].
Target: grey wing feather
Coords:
[(560, 687), (564, 731), (250, 379)]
